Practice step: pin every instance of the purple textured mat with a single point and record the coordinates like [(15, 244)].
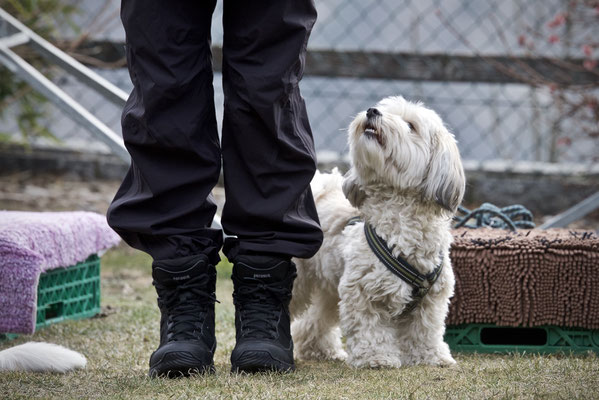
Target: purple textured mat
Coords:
[(32, 243)]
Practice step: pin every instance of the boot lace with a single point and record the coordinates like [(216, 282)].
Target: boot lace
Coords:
[(260, 305), (187, 306)]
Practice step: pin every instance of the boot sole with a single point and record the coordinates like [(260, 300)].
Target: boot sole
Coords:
[(260, 361), (179, 364)]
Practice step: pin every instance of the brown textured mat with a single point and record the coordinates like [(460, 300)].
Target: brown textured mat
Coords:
[(525, 278)]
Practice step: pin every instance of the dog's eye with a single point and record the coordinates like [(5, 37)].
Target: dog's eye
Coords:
[(411, 125)]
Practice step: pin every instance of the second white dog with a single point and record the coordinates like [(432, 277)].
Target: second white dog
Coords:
[(406, 181)]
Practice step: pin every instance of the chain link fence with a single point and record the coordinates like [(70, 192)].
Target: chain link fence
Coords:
[(515, 120)]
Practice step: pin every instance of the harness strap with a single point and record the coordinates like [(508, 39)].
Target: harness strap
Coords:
[(399, 266)]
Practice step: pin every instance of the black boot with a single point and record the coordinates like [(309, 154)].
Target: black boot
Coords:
[(186, 299), (262, 292)]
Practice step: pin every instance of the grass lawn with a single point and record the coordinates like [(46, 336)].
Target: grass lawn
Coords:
[(118, 344)]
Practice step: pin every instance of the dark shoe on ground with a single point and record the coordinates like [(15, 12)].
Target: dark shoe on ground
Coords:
[(185, 288), (262, 292)]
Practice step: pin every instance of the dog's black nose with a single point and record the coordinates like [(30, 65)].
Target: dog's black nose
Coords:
[(373, 112)]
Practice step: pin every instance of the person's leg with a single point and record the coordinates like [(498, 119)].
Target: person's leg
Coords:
[(268, 150), (163, 206), (269, 161)]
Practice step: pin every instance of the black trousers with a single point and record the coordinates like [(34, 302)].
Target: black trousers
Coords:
[(164, 206)]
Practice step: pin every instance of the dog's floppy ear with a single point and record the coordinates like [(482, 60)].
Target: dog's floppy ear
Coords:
[(445, 182), (351, 188)]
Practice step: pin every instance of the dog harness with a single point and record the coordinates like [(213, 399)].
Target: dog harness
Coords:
[(420, 283)]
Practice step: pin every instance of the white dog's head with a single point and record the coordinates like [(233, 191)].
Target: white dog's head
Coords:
[(405, 145)]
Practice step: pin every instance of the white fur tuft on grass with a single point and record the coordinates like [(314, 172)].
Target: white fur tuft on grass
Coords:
[(41, 357)]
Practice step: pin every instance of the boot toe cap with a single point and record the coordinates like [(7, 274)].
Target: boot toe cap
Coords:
[(261, 355), (181, 358)]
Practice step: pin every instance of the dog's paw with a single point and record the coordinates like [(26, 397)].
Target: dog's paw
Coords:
[(442, 357), (446, 362), (379, 362), (320, 354), (337, 355)]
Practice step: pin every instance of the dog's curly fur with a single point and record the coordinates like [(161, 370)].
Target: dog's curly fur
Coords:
[(406, 180)]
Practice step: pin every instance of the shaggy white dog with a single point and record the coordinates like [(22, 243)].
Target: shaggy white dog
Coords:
[(406, 181)]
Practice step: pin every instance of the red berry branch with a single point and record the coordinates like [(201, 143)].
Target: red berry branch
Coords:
[(569, 39)]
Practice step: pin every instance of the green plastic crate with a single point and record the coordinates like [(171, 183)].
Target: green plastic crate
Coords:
[(69, 293), (488, 338)]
